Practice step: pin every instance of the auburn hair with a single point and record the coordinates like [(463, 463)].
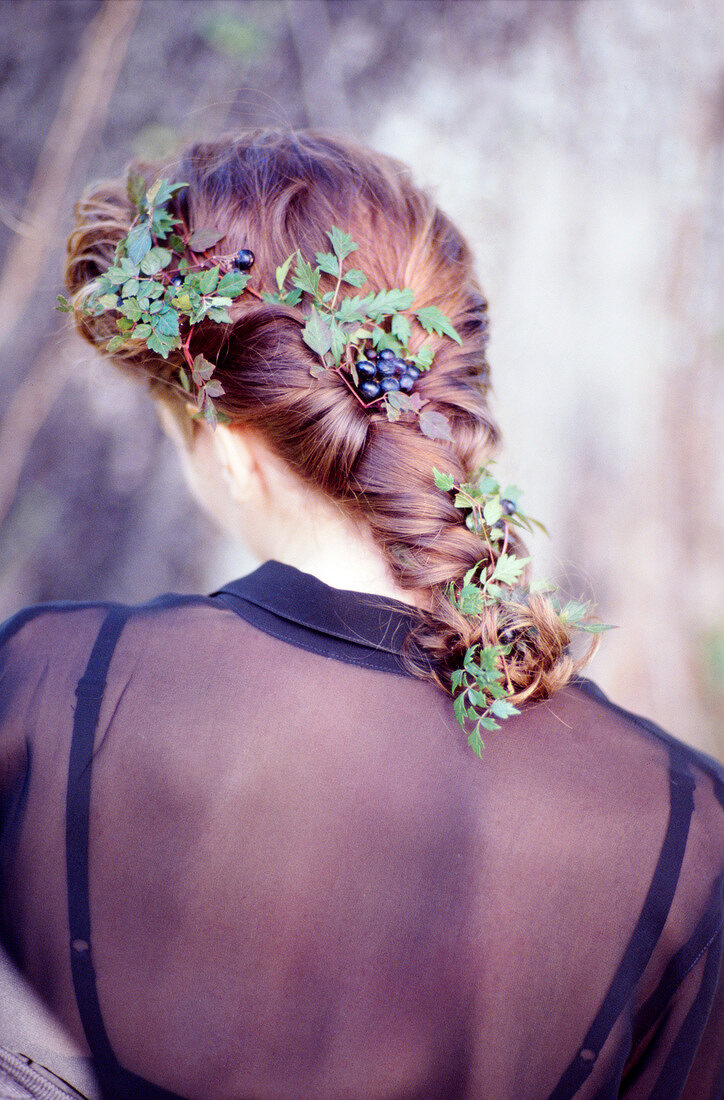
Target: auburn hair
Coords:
[(278, 191)]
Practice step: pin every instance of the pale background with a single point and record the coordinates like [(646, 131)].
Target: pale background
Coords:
[(578, 143)]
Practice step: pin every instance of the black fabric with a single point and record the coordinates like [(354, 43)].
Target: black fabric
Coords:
[(282, 873)]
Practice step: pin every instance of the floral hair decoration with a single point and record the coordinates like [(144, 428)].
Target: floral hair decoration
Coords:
[(161, 284)]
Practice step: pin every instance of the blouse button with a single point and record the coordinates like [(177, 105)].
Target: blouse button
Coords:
[(80, 946), (587, 1054)]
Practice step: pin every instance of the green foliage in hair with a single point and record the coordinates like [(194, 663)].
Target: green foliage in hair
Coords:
[(481, 687)]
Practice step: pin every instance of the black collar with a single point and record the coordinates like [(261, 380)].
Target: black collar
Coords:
[(356, 627)]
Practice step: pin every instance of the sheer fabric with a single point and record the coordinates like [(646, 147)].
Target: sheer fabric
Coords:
[(246, 855)]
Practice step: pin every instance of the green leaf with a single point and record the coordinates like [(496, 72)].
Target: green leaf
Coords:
[(574, 611), (433, 320), (488, 723), (471, 600), (501, 708), (155, 260), (218, 314), (306, 278), (182, 301), (443, 481), (184, 379), (423, 358), (115, 344), (342, 243), (339, 341), (202, 369), (210, 413), (214, 388), (392, 409), (456, 680), (208, 280), (281, 272), (130, 288), (492, 511), (176, 243), (204, 238), (476, 743), (136, 189), (152, 288), (163, 190), (383, 340), (161, 344), (131, 310), (354, 277), (435, 426), (166, 322), (541, 585), (63, 305), (233, 283), (328, 263), (140, 332), (594, 628), (138, 243), (460, 709), (405, 402), (401, 328), (316, 334), (353, 308), (389, 301), (508, 569)]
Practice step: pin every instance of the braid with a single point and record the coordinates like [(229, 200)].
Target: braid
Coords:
[(280, 193)]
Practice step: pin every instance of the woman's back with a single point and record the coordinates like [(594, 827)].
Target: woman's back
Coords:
[(302, 882)]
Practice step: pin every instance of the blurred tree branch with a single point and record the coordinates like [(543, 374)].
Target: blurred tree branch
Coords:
[(83, 108)]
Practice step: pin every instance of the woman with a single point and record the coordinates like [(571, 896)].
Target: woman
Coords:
[(250, 852)]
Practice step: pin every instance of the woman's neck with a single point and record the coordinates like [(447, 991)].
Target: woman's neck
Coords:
[(340, 553)]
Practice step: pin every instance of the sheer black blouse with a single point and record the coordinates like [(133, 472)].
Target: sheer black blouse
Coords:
[(245, 854)]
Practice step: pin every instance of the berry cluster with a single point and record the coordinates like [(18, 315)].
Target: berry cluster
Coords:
[(383, 372)]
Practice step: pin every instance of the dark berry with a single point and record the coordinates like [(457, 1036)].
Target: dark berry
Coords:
[(413, 371), (389, 383), (399, 364), (243, 259), (365, 369), (370, 389), (386, 354), (177, 280), (508, 506), (385, 366), (372, 354), (406, 382)]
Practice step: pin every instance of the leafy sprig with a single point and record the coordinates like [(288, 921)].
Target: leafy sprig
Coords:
[(339, 327), (482, 687), (158, 295)]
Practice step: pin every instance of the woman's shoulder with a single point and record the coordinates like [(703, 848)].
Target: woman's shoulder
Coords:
[(57, 619), (681, 756)]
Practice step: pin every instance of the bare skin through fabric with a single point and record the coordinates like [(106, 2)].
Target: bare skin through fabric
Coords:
[(302, 882)]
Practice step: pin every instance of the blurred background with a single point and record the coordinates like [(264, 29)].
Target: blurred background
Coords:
[(578, 143)]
